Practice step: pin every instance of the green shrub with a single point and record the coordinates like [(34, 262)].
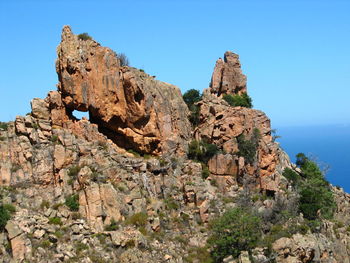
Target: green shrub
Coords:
[(248, 148), (191, 97), (54, 138), (139, 219), (123, 59), (45, 243), (74, 170), (236, 230), (84, 36), (205, 171), (291, 176), (199, 254), (79, 246), (4, 217), (58, 233), (4, 125), (113, 226), (171, 204), (55, 221), (238, 100), (72, 202), (194, 115), (9, 207), (201, 151), (316, 197), (301, 159)]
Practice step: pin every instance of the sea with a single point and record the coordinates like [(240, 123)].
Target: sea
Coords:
[(328, 145)]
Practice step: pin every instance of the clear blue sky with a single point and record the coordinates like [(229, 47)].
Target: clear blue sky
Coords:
[(296, 54)]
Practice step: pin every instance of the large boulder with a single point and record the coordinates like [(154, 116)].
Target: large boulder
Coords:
[(130, 107)]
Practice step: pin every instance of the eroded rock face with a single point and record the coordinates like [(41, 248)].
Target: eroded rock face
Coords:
[(227, 77), (132, 108), (221, 124)]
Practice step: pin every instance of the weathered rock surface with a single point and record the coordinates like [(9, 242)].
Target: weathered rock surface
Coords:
[(132, 108), (227, 77), (221, 124), (143, 209)]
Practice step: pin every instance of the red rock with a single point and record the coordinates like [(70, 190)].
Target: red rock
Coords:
[(227, 77), (132, 108)]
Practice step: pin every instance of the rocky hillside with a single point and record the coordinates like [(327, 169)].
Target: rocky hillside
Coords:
[(150, 179)]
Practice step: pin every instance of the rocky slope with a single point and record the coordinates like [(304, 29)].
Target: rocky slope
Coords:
[(80, 196)]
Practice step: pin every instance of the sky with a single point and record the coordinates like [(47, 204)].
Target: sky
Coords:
[(296, 54)]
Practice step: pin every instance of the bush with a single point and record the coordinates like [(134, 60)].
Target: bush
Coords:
[(201, 151), (205, 171), (171, 204), (113, 226), (3, 125), (123, 59), (9, 207), (291, 176), (316, 197), (55, 221), (138, 219), (248, 148), (191, 97), (194, 115), (4, 217), (238, 100), (74, 170), (236, 230), (72, 202), (84, 36)]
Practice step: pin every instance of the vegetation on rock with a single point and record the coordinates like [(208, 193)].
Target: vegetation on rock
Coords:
[(123, 59), (201, 151), (316, 197), (236, 230), (248, 148), (84, 36), (72, 202), (5, 215), (3, 125), (238, 100), (191, 97)]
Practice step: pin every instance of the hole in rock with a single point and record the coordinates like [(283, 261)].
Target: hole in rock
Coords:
[(80, 114)]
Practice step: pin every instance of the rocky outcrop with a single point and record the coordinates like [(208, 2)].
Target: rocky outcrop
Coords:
[(75, 196), (222, 124), (227, 77), (132, 108)]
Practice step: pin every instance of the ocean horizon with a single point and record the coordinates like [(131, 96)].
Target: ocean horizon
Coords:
[(328, 145)]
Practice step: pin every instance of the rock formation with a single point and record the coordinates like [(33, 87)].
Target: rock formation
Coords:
[(227, 77), (132, 108), (76, 195), (222, 124)]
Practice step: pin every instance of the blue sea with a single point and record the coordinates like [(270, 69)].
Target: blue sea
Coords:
[(328, 145)]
